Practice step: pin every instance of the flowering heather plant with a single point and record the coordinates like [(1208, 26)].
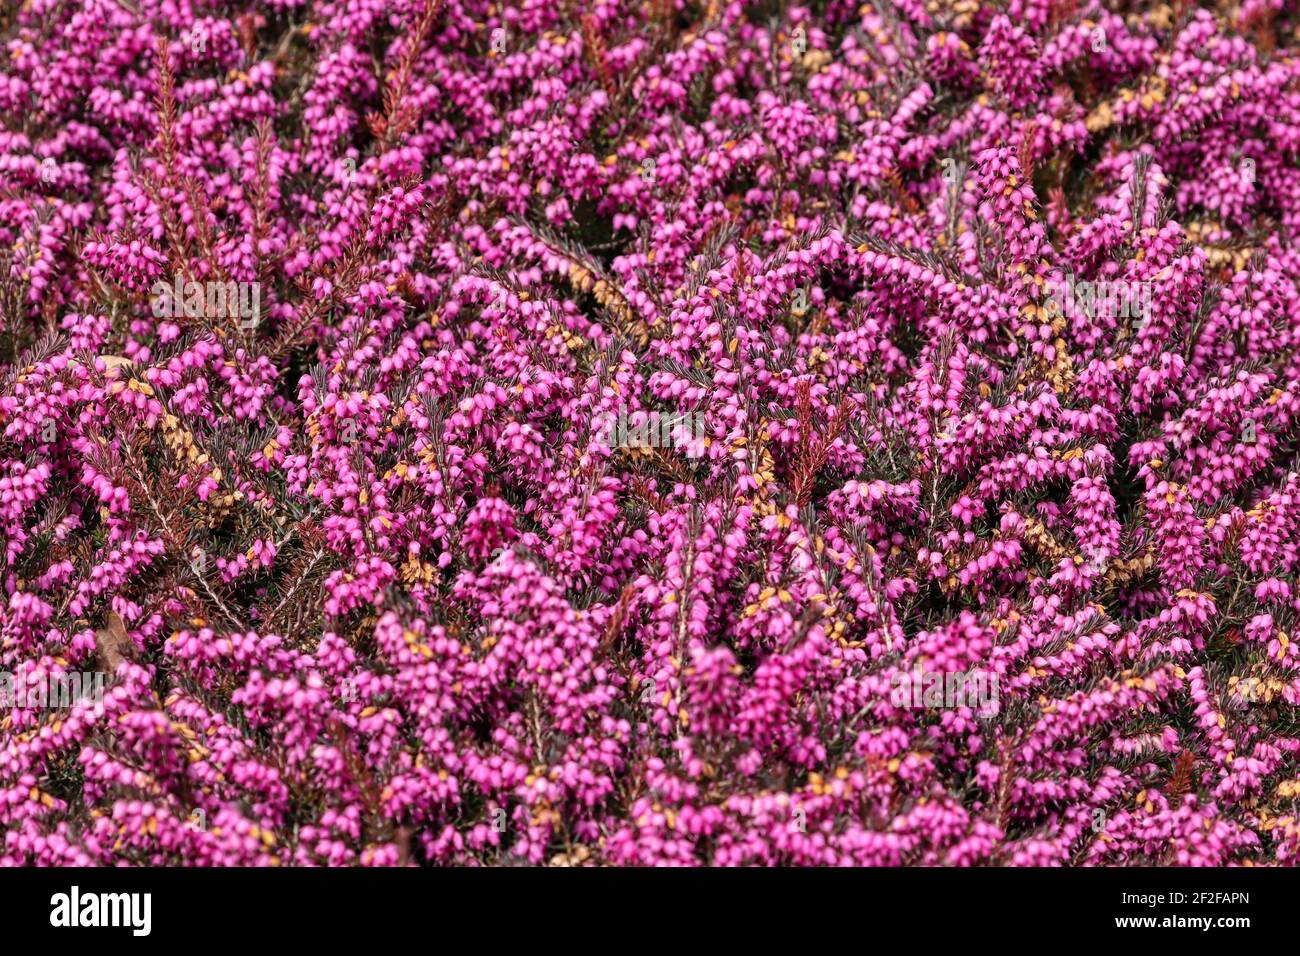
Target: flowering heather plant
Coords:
[(316, 319)]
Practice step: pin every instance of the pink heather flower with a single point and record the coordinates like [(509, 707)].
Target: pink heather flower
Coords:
[(392, 569)]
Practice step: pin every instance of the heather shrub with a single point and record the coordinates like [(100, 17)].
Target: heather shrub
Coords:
[(666, 432)]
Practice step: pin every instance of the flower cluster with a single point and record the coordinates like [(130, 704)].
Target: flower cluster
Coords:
[(370, 574)]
